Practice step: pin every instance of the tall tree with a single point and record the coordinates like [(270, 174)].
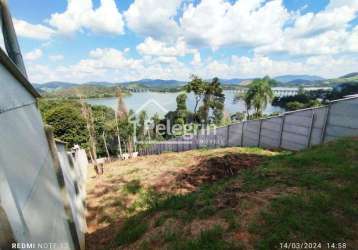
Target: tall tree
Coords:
[(258, 96), (122, 111), (197, 86), (181, 111), (121, 114), (142, 130), (213, 100), (87, 114)]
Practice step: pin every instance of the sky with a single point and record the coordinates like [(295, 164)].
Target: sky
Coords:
[(125, 40)]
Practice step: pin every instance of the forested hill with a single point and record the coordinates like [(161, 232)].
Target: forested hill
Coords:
[(83, 91), (107, 89)]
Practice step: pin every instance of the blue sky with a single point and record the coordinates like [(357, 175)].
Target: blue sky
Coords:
[(122, 40)]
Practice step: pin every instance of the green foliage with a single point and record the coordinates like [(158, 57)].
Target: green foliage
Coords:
[(132, 230), (342, 90), (132, 187), (197, 86), (211, 239), (83, 91), (212, 96), (258, 96), (181, 111), (313, 199), (300, 101), (325, 208), (67, 122)]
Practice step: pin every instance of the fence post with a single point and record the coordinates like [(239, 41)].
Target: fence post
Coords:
[(242, 133), (282, 127), (311, 129), (227, 135), (61, 183), (324, 129), (259, 140)]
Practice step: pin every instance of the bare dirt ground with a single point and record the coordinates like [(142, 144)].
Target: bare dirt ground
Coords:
[(232, 198), (112, 197)]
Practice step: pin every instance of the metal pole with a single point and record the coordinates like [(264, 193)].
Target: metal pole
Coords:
[(10, 39)]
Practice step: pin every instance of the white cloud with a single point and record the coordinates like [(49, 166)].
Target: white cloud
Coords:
[(219, 23), (153, 18), (323, 33), (33, 55), (56, 58), (196, 59), (81, 14), (35, 31), (154, 47), (109, 64), (323, 43)]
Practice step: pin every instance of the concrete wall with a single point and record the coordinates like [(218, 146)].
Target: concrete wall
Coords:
[(342, 119), (295, 130), (31, 200), (75, 193)]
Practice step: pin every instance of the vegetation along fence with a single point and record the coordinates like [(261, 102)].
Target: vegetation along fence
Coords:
[(41, 185), (292, 130)]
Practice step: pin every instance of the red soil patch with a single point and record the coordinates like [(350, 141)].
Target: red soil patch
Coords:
[(217, 168)]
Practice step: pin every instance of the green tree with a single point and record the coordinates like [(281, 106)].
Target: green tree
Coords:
[(258, 95), (198, 87), (142, 126), (105, 129), (67, 122), (213, 100), (181, 111)]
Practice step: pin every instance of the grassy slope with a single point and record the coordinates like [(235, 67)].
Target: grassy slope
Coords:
[(308, 196)]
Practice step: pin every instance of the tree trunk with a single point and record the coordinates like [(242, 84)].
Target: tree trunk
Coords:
[(119, 138), (105, 145)]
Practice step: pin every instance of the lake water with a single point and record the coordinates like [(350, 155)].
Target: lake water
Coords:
[(161, 103)]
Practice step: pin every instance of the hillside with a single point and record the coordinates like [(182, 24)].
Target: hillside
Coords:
[(51, 86), (354, 74), (232, 198), (84, 91), (297, 78), (351, 79)]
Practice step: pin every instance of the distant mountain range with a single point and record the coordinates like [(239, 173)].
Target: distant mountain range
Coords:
[(284, 80)]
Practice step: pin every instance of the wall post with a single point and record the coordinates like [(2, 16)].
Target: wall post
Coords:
[(260, 128), (242, 133), (281, 132), (324, 129), (227, 135), (311, 129), (61, 183)]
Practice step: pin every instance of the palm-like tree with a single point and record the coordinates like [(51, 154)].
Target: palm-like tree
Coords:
[(257, 96)]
